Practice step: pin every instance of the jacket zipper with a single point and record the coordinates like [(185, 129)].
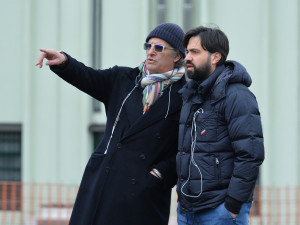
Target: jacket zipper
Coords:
[(218, 168)]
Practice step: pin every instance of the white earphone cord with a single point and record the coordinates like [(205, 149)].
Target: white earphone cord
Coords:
[(194, 139), (118, 115)]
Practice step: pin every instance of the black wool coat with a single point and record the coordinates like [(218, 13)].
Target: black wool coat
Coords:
[(117, 188)]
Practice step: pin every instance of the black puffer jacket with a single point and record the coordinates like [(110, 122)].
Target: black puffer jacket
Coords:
[(221, 151)]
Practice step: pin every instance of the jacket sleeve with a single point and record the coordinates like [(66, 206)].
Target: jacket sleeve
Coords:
[(245, 131), (96, 83)]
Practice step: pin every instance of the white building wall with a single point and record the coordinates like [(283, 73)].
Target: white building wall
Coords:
[(11, 61), (56, 143), (54, 115), (125, 28)]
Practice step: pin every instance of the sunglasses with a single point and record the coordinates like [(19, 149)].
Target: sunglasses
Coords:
[(157, 48)]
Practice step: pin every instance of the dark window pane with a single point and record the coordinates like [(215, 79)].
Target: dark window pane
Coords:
[(97, 138), (10, 170)]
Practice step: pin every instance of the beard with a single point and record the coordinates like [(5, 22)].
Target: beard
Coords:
[(200, 73)]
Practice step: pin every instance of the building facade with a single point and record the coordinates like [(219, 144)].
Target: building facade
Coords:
[(48, 129)]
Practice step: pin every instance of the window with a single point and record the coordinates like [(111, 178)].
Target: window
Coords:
[(96, 105), (96, 45), (97, 132), (97, 137), (161, 11), (187, 15), (96, 42), (10, 167)]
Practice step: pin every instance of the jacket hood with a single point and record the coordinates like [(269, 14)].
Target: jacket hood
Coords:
[(229, 73), (239, 73)]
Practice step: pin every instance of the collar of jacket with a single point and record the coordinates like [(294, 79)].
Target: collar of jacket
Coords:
[(156, 112), (218, 89), (206, 85), (194, 88)]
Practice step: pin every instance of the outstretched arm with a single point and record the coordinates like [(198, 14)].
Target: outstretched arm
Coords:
[(53, 57), (96, 83)]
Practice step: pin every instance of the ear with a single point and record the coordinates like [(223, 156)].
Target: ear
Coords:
[(215, 58), (176, 59)]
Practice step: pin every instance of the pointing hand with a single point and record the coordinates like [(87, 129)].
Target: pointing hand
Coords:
[(53, 57)]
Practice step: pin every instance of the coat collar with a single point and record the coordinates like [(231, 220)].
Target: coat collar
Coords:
[(157, 112), (134, 105), (218, 89), (215, 85), (208, 83)]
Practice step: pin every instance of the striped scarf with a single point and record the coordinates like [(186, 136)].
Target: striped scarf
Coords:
[(154, 84)]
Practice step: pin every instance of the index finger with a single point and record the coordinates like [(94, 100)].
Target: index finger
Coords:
[(40, 60), (43, 50)]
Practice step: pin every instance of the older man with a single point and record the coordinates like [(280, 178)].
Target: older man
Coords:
[(129, 177)]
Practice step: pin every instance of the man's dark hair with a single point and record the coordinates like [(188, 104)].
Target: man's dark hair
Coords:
[(212, 40)]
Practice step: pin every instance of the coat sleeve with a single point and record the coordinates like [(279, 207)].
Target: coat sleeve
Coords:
[(245, 131), (167, 168), (96, 83)]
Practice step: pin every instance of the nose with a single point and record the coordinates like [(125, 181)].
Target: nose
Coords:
[(188, 57), (151, 51)]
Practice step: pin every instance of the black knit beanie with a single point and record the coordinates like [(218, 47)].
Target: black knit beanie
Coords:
[(171, 33)]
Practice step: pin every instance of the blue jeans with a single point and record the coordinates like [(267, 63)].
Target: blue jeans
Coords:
[(217, 216)]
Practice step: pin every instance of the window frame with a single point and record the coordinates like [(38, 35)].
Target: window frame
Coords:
[(11, 190)]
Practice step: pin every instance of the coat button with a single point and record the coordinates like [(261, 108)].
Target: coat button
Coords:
[(133, 181), (107, 169), (142, 156), (119, 145)]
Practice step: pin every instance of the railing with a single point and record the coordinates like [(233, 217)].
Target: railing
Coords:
[(51, 204), (36, 204), (276, 206)]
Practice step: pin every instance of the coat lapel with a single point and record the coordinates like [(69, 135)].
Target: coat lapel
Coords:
[(157, 111), (134, 105)]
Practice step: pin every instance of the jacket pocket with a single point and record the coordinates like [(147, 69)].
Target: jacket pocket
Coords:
[(95, 160), (93, 171), (153, 182), (206, 125)]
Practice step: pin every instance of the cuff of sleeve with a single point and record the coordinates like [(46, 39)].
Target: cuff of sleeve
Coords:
[(233, 205), (169, 178), (65, 63), (157, 173), (63, 67)]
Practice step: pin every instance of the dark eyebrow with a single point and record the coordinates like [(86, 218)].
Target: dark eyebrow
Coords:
[(193, 50)]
